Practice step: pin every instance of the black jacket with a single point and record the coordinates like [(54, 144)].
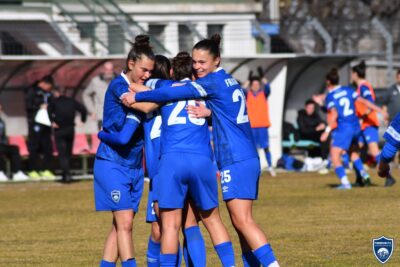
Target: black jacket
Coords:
[(391, 99), (3, 137), (62, 111), (306, 123), (34, 98)]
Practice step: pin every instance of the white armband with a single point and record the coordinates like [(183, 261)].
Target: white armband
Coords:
[(328, 129)]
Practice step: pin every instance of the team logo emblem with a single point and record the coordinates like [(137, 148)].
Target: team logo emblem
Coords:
[(115, 195), (382, 248)]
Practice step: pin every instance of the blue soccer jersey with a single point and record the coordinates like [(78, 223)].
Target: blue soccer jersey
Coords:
[(181, 132), (115, 115), (233, 141), (392, 134), (342, 99), (152, 132)]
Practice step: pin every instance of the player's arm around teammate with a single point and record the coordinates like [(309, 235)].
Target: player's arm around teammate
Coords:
[(238, 157), (118, 169)]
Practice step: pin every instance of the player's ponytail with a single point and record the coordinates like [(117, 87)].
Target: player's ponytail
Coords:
[(182, 66), (360, 69), (333, 76), (141, 47), (162, 68), (211, 44)]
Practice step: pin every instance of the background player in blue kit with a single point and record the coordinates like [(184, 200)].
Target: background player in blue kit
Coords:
[(392, 145), (235, 150), (118, 172), (342, 119)]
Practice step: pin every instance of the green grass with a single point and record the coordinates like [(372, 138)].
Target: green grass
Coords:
[(307, 222)]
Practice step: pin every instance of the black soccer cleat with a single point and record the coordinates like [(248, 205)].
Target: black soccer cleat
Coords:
[(390, 181)]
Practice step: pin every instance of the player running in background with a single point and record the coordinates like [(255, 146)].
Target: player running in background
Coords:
[(235, 151), (118, 172), (342, 120), (369, 118), (392, 145), (258, 109)]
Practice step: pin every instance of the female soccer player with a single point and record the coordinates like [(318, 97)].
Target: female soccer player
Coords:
[(370, 122), (392, 136), (118, 173), (235, 150), (340, 103)]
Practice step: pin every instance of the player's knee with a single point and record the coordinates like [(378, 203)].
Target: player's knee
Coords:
[(241, 222), (124, 225), (170, 226)]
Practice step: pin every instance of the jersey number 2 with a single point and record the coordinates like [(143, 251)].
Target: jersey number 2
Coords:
[(175, 119), (236, 97), (345, 103)]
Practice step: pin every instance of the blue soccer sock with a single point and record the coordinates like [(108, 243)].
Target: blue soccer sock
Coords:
[(341, 174), (186, 256), (168, 260), (358, 165), (268, 157), (153, 253), (346, 160), (249, 260), (225, 254), (377, 158), (195, 245), (129, 263), (265, 255), (104, 263)]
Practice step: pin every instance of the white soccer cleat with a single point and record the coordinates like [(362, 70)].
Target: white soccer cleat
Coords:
[(3, 177), (20, 176)]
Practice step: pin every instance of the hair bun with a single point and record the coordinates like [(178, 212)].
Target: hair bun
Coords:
[(362, 65), (141, 41), (216, 38)]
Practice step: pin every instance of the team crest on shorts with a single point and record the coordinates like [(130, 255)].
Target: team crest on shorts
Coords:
[(382, 248), (115, 195)]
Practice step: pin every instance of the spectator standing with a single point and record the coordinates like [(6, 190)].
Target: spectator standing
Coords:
[(11, 152), (392, 98), (311, 126), (62, 112), (37, 98), (258, 111), (93, 95)]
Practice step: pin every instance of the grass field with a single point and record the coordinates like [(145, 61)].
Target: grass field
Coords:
[(307, 222)]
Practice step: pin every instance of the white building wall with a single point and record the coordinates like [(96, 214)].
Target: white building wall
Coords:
[(172, 38), (237, 39)]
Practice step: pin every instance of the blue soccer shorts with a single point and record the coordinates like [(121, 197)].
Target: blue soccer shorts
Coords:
[(369, 135), (240, 179), (261, 137), (344, 137), (117, 187), (186, 174)]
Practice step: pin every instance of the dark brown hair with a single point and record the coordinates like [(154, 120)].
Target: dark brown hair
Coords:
[(211, 44), (182, 66), (162, 68), (333, 76), (140, 47), (360, 69)]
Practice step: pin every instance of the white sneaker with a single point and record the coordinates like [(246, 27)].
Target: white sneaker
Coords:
[(3, 177), (20, 176)]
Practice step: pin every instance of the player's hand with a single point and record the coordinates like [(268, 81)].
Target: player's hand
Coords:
[(128, 99), (246, 85), (43, 106), (136, 88), (383, 169), (264, 80), (320, 127), (319, 99), (324, 136), (55, 125), (198, 111)]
